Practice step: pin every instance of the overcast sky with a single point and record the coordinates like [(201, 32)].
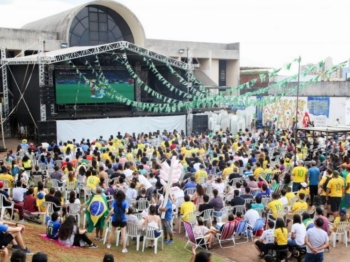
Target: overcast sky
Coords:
[(271, 32)]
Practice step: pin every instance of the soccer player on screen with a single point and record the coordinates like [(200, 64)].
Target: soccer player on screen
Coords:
[(92, 84)]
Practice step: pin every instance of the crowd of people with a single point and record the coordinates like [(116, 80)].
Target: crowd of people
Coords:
[(300, 184)]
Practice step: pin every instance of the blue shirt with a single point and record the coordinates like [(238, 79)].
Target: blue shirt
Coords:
[(313, 174), (52, 229), (169, 211), (121, 209), (190, 184), (267, 193), (3, 228)]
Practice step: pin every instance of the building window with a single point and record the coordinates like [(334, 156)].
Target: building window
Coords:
[(98, 25), (222, 73)]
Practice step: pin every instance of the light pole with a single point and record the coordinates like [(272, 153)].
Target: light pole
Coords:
[(296, 114)]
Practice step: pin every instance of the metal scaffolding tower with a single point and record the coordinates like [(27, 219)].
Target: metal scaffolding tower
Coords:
[(7, 130)]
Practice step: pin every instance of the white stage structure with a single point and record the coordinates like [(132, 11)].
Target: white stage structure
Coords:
[(94, 128)]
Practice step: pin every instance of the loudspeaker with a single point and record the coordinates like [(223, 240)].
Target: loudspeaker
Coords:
[(47, 131), (47, 94), (199, 123)]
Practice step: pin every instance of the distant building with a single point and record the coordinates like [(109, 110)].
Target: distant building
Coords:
[(335, 76), (346, 72)]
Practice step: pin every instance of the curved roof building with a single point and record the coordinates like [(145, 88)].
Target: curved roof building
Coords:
[(94, 23)]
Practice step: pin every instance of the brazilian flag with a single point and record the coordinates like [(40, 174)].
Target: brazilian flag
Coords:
[(96, 212)]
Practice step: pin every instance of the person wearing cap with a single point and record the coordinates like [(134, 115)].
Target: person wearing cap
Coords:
[(313, 176), (39, 257), (299, 175), (343, 217), (304, 189), (24, 145), (334, 194), (204, 234)]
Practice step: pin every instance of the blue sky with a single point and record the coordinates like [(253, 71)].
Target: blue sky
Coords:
[(271, 32)]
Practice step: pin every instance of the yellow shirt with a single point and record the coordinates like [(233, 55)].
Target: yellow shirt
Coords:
[(92, 181), (289, 196), (9, 178), (305, 191), (186, 207), (347, 182), (299, 174), (281, 236), (129, 156), (274, 206), (299, 206), (268, 171), (71, 185), (227, 171), (258, 171), (323, 180), (200, 175), (336, 186)]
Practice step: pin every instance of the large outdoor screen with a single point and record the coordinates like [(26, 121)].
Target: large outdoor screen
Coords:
[(73, 89)]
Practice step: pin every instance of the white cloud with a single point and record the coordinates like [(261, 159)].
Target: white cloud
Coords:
[(271, 32)]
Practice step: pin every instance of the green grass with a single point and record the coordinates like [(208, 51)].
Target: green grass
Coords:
[(80, 93), (175, 252)]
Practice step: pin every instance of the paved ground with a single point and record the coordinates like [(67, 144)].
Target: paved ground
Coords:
[(244, 252)]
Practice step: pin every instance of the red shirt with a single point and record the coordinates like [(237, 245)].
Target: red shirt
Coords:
[(30, 203)]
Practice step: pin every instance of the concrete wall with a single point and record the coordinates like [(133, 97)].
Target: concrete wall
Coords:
[(232, 73), (205, 65), (214, 71), (19, 40), (199, 49), (332, 88)]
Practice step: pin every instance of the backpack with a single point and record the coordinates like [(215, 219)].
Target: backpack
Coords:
[(324, 186)]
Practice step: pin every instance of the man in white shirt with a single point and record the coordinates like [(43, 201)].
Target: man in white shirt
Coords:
[(18, 192), (144, 183), (283, 198), (251, 215), (316, 241), (128, 172)]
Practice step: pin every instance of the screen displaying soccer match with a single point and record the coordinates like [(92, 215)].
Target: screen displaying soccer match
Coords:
[(74, 89)]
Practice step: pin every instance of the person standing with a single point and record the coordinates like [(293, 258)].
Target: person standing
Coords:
[(313, 175), (335, 190), (316, 241), (167, 222), (119, 209), (299, 175)]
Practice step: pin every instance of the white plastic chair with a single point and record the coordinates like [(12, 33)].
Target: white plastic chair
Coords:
[(207, 215), (54, 183), (133, 231), (149, 235), (6, 186), (189, 191), (108, 230), (141, 204), (3, 208), (342, 229), (223, 213), (70, 186), (74, 210)]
